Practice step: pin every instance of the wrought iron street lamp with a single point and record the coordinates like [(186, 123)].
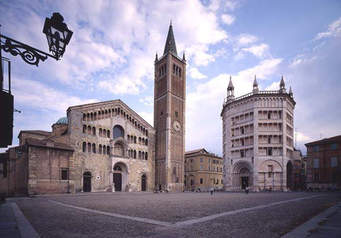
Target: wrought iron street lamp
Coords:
[(58, 36)]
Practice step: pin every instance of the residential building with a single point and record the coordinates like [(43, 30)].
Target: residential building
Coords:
[(324, 164), (203, 171)]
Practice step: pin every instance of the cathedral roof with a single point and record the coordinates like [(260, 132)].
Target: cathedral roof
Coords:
[(62, 121), (170, 42)]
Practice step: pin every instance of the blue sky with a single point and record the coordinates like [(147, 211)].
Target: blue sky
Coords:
[(111, 56)]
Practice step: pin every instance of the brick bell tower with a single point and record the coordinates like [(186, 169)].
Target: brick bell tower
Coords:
[(169, 117)]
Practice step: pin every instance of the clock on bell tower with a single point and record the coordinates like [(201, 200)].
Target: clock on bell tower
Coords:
[(169, 117)]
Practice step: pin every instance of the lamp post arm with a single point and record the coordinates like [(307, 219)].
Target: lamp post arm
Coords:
[(29, 54)]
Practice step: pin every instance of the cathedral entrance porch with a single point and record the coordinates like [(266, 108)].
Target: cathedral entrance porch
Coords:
[(87, 182), (120, 177), (241, 176)]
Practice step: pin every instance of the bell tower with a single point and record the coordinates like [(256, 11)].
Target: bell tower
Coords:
[(169, 117)]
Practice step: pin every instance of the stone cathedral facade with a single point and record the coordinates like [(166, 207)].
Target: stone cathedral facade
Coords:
[(258, 135), (107, 146)]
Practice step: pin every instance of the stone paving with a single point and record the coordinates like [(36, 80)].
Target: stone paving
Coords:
[(172, 214)]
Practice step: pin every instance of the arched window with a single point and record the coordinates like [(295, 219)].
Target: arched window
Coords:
[(146, 156), (139, 140), (94, 131), (84, 116), (128, 138), (134, 154), (118, 132), (139, 154), (93, 148), (84, 146), (146, 132), (100, 149), (95, 116), (84, 128), (146, 141), (99, 115), (108, 150), (89, 147), (135, 139), (87, 116), (108, 133), (100, 132), (89, 130), (104, 132), (91, 116), (143, 141)]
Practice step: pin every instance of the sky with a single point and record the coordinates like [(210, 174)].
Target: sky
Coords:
[(112, 51)]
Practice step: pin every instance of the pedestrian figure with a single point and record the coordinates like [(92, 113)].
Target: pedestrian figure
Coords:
[(211, 191), (247, 190)]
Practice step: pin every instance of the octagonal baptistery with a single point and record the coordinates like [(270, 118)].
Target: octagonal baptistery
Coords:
[(114, 148), (257, 138)]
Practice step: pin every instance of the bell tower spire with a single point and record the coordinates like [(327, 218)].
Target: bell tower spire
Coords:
[(169, 117), (170, 45)]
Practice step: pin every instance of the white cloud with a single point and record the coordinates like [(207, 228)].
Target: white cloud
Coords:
[(245, 39), (195, 74), (258, 50), (273, 86), (232, 4), (334, 30), (227, 19), (148, 116), (42, 97), (148, 100)]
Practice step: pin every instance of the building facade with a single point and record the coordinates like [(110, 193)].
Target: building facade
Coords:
[(323, 163), (258, 138), (203, 171), (107, 146), (169, 117)]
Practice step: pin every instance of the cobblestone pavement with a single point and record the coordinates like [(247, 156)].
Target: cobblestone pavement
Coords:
[(172, 214)]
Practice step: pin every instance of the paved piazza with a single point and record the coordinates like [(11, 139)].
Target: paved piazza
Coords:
[(172, 214)]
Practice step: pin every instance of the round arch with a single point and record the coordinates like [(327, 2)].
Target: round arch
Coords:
[(120, 177), (242, 175), (118, 132)]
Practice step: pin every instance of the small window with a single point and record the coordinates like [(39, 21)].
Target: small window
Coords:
[(316, 148), (333, 146), (242, 154), (201, 180), (84, 128), (333, 162), (93, 148), (201, 167), (64, 174), (108, 150), (84, 146), (316, 163), (201, 160), (176, 114), (269, 151), (269, 140), (94, 131), (89, 147), (100, 149), (108, 134), (242, 130)]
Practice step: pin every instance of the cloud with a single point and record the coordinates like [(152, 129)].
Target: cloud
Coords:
[(148, 100), (148, 116), (195, 74), (227, 19), (334, 30), (246, 39), (260, 51), (273, 86), (44, 98)]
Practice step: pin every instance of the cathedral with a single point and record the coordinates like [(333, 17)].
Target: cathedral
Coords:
[(107, 146)]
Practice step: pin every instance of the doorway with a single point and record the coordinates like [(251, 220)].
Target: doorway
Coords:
[(245, 182), (144, 183), (87, 182), (118, 182)]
